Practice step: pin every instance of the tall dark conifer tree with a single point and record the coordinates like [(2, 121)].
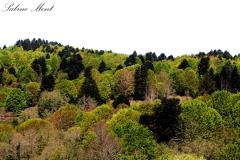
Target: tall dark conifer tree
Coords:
[(89, 87), (164, 122), (1, 74), (140, 83), (184, 64), (235, 80), (48, 83), (203, 65), (102, 67)]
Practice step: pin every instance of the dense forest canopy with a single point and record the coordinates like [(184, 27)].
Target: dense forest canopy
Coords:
[(61, 102)]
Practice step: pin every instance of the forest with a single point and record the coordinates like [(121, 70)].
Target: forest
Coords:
[(58, 102)]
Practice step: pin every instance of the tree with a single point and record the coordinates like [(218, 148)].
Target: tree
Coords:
[(136, 140), (104, 87), (1, 74), (227, 55), (26, 45), (164, 122), (49, 102), (151, 86), (68, 89), (180, 83), (166, 87), (18, 100), (141, 57), (124, 81), (89, 87), (147, 65), (104, 146), (65, 117), (102, 67), (184, 64), (121, 99), (230, 151), (8, 79), (235, 80), (225, 76), (47, 56), (48, 83), (39, 65), (131, 60), (199, 120), (28, 75), (170, 58), (221, 101), (192, 82), (140, 83), (3, 98), (203, 65), (162, 56), (34, 89), (207, 84), (75, 66), (151, 56), (4, 47), (36, 67), (63, 64)]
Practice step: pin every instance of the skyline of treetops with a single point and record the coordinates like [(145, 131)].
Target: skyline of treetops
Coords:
[(61, 102)]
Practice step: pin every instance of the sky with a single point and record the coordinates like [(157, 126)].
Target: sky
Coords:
[(172, 27)]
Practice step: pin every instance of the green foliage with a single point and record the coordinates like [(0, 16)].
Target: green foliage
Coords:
[(27, 75), (3, 98), (144, 108), (18, 100), (102, 112), (56, 152), (136, 139), (199, 120), (230, 151), (68, 89), (6, 132), (192, 82), (104, 87), (35, 124), (49, 102), (88, 119), (158, 66), (221, 101), (8, 79), (124, 115), (164, 122), (140, 77), (89, 87), (34, 89), (65, 117), (85, 120), (208, 126)]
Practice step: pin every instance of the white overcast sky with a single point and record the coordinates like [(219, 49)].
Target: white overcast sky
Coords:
[(162, 26)]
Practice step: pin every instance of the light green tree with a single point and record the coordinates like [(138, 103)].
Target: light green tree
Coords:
[(28, 75), (192, 82), (18, 100), (199, 120), (221, 101), (67, 88)]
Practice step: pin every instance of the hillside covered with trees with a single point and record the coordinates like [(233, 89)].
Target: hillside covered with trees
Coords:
[(61, 102)]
